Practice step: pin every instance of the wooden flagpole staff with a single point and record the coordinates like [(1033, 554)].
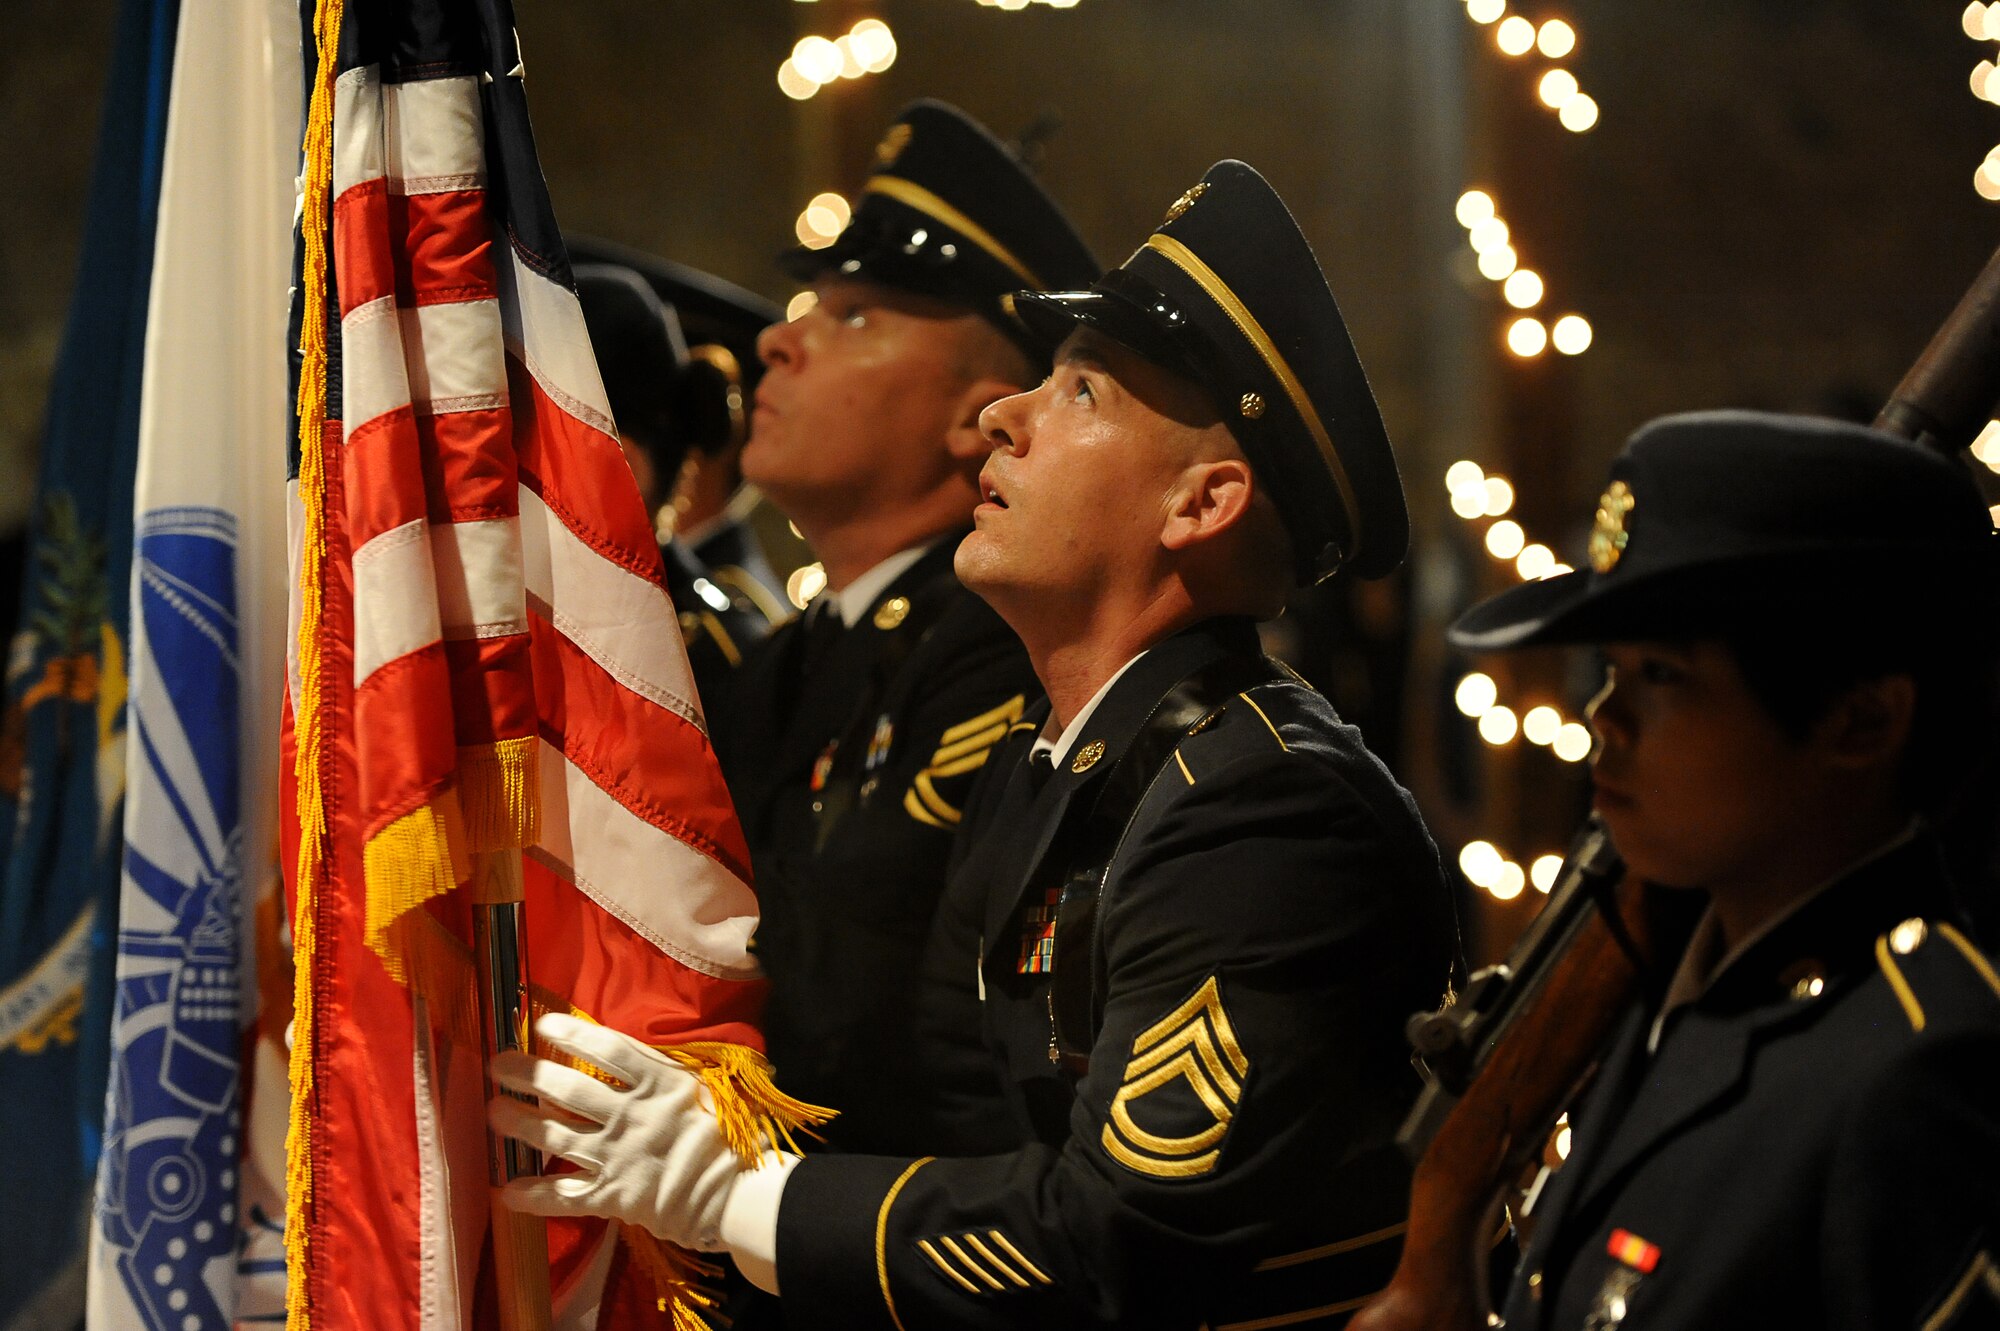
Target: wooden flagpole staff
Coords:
[(499, 938)]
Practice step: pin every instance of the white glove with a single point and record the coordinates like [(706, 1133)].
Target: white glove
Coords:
[(651, 1155)]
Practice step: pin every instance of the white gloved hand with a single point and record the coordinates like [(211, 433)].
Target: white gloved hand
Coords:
[(651, 1155)]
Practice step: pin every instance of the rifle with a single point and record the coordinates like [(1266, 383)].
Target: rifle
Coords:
[(1524, 1037)]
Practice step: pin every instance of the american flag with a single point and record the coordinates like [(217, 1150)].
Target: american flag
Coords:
[(486, 666)]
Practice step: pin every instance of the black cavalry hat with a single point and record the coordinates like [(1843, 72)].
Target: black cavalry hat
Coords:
[(1720, 520), (719, 321), (950, 212), (641, 353), (1228, 293)]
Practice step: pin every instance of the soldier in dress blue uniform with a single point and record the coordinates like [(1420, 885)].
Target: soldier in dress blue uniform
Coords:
[(851, 737), (662, 399), (1798, 1126), (1193, 908)]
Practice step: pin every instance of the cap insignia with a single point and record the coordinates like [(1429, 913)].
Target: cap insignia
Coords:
[(1184, 202), (892, 144), (1252, 406), (1608, 537), (1087, 756), (892, 612)]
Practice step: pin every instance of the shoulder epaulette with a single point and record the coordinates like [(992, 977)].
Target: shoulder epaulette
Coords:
[(1929, 964)]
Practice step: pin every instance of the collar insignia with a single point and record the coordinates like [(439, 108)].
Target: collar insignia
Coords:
[(892, 612), (892, 145), (1608, 536), (1087, 756), (1184, 202)]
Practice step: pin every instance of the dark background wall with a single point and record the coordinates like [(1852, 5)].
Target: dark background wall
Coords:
[(1775, 210)]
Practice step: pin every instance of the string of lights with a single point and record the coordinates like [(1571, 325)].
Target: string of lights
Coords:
[(866, 48), (1478, 496)]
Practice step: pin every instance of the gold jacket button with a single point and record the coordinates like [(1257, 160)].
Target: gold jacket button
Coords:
[(892, 612)]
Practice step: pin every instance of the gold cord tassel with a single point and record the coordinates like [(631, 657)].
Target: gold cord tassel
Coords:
[(315, 209)]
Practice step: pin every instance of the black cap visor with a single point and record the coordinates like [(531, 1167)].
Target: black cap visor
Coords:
[(1051, 317)]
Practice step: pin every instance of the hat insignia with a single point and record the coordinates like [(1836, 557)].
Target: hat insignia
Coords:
[(1608, 536), (1252, 405), (1184, 202), (892, 144)]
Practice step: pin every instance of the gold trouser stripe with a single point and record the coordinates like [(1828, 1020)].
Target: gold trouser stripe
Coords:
[(969, 1264), (1972, 955), (1184, 767), (1006, 712), (1019, 1256), (984, 739), (1292, 1319), (1904, 994), (1253, 332), (1331, 1249), (994, 1260), (1267, 721), (882, 1237), (946, 1267), (1980, 1266), (913, 195), (915, 808)]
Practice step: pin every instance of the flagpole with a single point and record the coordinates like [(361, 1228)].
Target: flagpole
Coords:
[(499, 938)]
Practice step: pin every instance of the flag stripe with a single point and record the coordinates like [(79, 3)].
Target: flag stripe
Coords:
[(454, 357), (373, 380), (621, 620), (656, 764), (478, 570), (404, 756), (465, 475), (395, 598), (434, 133), (361, 225), (680, 900), (493, 696), (449, 245)]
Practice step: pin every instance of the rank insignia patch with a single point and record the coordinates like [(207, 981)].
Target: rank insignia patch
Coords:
[(963, 749), (1179, 1091)]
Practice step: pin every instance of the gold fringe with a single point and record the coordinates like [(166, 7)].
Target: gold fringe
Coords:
[(682, 1279), (749, 1108), (753, 1114), (500, 788), (440, 970), (316, 209), (404, 865)]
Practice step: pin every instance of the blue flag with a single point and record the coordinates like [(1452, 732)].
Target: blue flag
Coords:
[(62, 758)]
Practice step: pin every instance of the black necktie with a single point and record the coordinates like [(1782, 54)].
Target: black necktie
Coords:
[(823, 631), (1041, 766)]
